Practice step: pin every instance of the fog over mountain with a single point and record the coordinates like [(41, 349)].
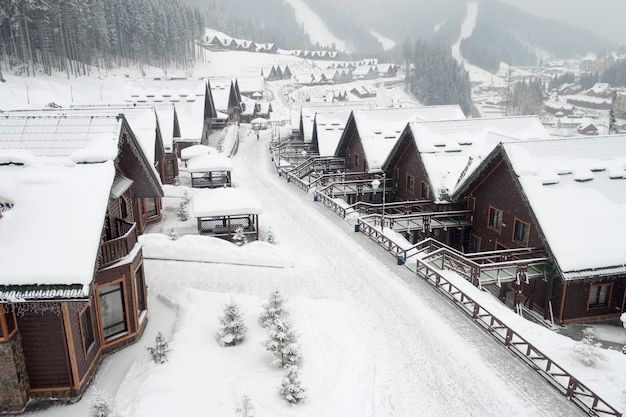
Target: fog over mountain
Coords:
[(603, 17)]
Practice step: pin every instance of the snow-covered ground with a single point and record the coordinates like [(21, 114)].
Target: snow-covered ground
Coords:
[(376, 340), (315, 27)]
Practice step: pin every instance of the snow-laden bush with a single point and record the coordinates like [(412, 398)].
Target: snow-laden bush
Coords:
[(588, 349), (233, 329), (102, 405), (182, 212), (173, 235), (239, 238), (291, 387), (246, 409), (283, 343), (273, 309), (161, 349)]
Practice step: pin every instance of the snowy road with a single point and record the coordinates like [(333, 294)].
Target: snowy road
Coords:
[(430, 359)]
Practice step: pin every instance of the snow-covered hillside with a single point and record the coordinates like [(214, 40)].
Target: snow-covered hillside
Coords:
[(315, 27)]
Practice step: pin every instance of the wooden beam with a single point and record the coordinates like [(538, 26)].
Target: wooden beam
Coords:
[(70, 345)]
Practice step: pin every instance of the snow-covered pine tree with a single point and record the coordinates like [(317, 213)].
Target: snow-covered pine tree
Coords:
[(273, 309), (173, 235), (588, 349), (291, 388), (271, 239), (186, 198), (182, 212), (101, 405), (246, 409), (239, 238), (283, 343), (233, 329), (161, 349)]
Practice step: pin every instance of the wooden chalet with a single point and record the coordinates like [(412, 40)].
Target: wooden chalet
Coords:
[(431, 158), (551, 194), (251, 87), (221, 212), (327, 130), (364, 91), (192, 101), (226, 99), (267, 48), (72, 282)]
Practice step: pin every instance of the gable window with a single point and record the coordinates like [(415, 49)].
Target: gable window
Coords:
[(424, 191), (86, 329), (410, 182), (112, 310), (356, 160), (170, 169), (599, 295), (521, 232), (495, 218)]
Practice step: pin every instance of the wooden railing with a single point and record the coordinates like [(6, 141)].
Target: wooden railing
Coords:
[(113, 250), (574, 390)]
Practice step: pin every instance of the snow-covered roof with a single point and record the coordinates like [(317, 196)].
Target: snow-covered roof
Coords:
[(51, 235), (308, 112), (224, 202), (329, 128), (187, 95), (212, 162), (220, 90), (80, 138), (576, 188), (453, 147), (251, 84), (196, 150), (379, 129)]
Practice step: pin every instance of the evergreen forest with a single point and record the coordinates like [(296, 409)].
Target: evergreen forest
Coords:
[(73, 35)]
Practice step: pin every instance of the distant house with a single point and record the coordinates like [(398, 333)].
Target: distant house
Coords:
[(267, 48), (68, 186), (387, 70), (364, 91), (192, 100), (225, 99), (589, 102), (588, 129)]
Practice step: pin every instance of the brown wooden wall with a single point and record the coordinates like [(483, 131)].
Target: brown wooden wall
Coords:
[(354, 147), (409, 163), (575, 305), (499, 190), (45, 349), (83, 357)]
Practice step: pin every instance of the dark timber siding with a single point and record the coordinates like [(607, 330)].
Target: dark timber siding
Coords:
[(45, 349), (409, 163), (354, 151)]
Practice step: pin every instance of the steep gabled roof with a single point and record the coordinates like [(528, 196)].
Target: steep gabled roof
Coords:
[(327, 130), (451, 149), (576, 190)]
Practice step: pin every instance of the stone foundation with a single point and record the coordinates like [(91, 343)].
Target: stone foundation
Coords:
[(14, 385)]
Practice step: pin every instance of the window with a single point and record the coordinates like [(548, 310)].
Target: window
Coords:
[(356, 160), (141, 291), (410, 183), (151, 207), (86, 329), (112, 310), (170, 169), (495, 218), (123, 208), (424, 191), (521, 232), (599, 296)]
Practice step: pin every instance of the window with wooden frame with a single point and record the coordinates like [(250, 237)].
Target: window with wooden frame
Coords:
[(599, 295), (86, 330), (356, 160), (424, 191), (112, 310), (495, 218), (521, 231), (410, 182), (471, 203), (151, 207), (140, 291)]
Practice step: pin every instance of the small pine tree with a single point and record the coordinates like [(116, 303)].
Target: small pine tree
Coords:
[(182, 212), (161, 349), (239, 237), (271, 239), (588, 349), (173, 235), (291, 388), (102, 405), (186, 198), (246, 409), (273, 309), (233, 329), (283, 343)]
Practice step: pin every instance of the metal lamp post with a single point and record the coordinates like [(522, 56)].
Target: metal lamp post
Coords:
[(375, 186)]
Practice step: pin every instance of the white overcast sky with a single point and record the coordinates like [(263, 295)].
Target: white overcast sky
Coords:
[(607, 18)]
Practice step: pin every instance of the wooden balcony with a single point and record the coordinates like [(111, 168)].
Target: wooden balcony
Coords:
[(113, 250)]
